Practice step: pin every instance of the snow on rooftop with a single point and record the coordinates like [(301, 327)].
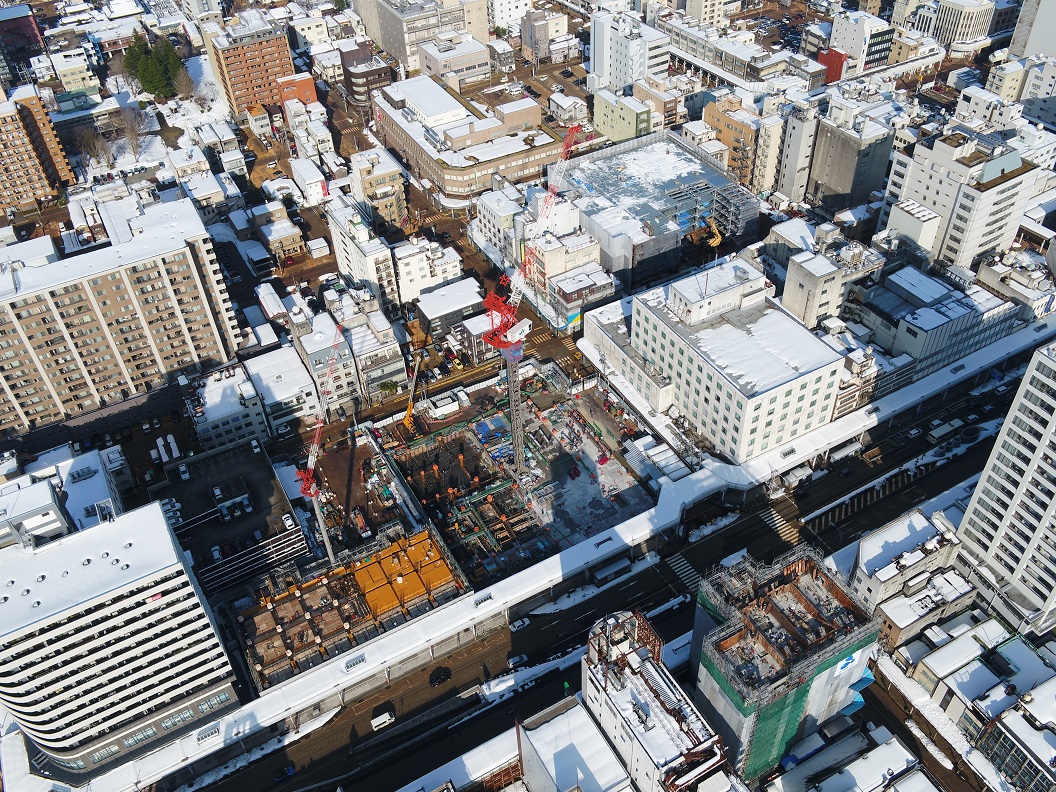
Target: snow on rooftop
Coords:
[(450, 298), (279, 375), (67, 573), (878, 550), (965, 648), (223, 397), (574, 752), (926, 289)]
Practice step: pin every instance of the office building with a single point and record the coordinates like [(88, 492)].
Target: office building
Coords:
[(399, 26), (1010, 524), (741, 372), (456, 58), (361, 256), (34, 166), (445, 306), (507, 14), (1033, 35), (1017, 742), (962, 21), (108, 646), (287, 391), (976, 189), (622, 50), (248, 57), (864, 38), (96, 328), (539, 29), (457, 146), (782, 648)]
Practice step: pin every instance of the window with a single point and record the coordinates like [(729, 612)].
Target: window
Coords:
[(213, 702)]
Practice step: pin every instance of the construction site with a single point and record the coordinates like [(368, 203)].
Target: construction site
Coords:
[(783, 647), (288, 625), (640, 198)]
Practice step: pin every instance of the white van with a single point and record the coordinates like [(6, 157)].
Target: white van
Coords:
[(383, 720)]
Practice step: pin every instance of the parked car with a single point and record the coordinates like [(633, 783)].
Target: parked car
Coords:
[(517, 660), (215, 550), (255, 446), (439, 676), (185, 474), (914, 432), (971, 418), (285, 772), (287, 520), (936, 422), (520, 624)]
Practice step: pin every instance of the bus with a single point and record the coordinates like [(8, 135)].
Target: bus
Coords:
[(940, 433)]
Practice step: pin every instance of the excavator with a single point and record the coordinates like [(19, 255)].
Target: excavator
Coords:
[(709, 234)]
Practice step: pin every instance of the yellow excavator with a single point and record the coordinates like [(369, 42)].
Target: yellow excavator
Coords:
[(709, 234)]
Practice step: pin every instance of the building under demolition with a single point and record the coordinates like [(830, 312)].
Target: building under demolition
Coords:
[(640, 198), (783, 648)]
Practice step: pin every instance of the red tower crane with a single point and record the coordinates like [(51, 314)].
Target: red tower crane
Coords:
[(309, 487), (528, 260)]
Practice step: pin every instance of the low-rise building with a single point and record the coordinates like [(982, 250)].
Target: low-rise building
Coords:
[(443, 307), (568, 110), (376, 182), (456, 58), (285, 388), (753, 141), (364, 72), (621, 118), (282, 238), (225, 408)]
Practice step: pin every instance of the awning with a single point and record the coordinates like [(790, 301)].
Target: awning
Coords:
[(843, 452)]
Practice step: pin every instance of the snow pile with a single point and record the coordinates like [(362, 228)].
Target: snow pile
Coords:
[(187, 114), (933, 749), (584, 593), (922, 703), (707, 530)]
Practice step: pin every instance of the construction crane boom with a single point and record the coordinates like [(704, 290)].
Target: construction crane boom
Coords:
[(309, 487), (408, 420)]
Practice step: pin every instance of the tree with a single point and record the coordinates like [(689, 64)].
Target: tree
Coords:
[(388, 387), (183, 84), (501, 32), (133, 129), (93, 146)]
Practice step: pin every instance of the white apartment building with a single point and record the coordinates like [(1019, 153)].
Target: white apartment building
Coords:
[(866, 39), (976, 189), (507, 13), (744, 374), (286, 389), (108, 648), (399, 26), (361, 256), (624, 49), (307, 31), (422, 265), (1009, 528), (317, 339), (379, 361), (115, 321), (708, 13), (1038, 96)]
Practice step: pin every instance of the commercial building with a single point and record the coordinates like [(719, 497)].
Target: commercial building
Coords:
[(1011, 520), (783, 648), (621, 118), (364, 72), (1032, 36), (34, 166), (639, 198), (119, 320), (677, 97), (741, 372), (456, 58), (422, 266), (909, 313), (1018, 742), (108, 647), (962, 21), (399, 26), (976, 189), (622, 50), (376, 182), (361, 256), (248, 57), (457, 147), (864, 38)]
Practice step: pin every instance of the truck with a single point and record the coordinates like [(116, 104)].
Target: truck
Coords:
[(945, 432)]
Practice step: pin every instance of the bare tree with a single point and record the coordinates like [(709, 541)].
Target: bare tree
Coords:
[(205, 95), (133, 129), (93, 146), (122, 79), (183, 84)]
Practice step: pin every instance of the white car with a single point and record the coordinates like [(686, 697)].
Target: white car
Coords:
[(185, 474), (517, 660), (914, 432), (520, 624), (255, 446), (287, 520)]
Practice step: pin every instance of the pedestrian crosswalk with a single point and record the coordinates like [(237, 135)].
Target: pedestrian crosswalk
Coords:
[(568, 362), (430, 219), (782, 527), (686, 573)]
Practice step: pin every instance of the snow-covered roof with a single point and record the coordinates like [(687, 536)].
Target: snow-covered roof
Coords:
[(878, 550), (222, 396), (84, 566), (279, 375), (449, 298), (574, 752), (965, 648)]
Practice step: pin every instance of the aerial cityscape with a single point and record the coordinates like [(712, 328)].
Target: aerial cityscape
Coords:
[(528, 396)]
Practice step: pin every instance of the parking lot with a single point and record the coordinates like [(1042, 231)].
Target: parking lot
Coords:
[(242, 476)]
